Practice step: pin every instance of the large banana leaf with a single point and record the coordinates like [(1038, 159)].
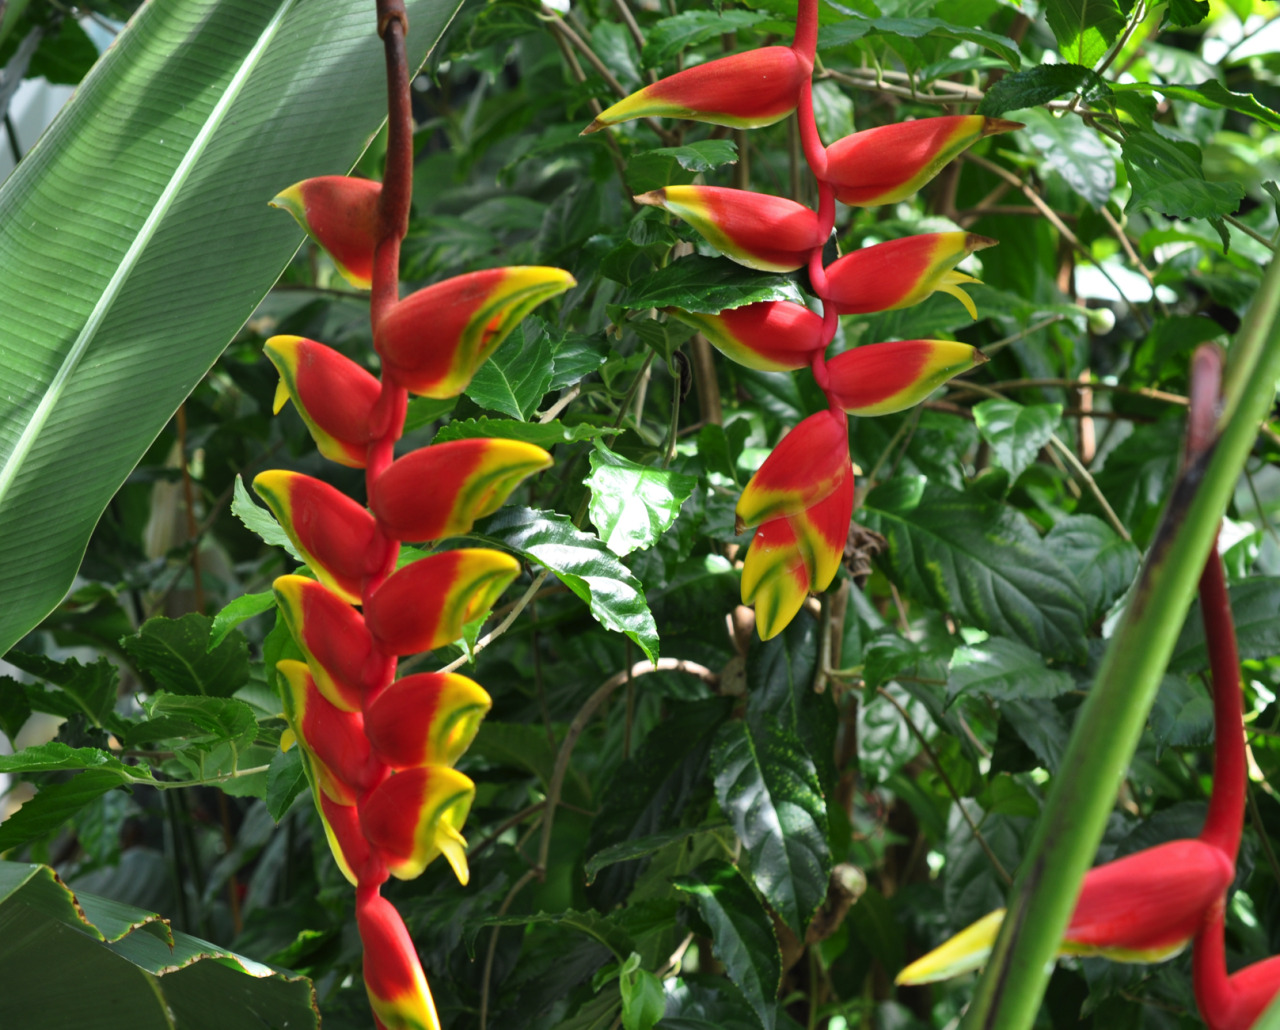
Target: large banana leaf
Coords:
[(135, 240), (73, 960)]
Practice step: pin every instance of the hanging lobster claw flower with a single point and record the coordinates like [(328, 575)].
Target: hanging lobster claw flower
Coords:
[(333, 394), (772, 336), (347, 842), (416, 815), (334, 639), (889, 163), (433, 341), (439, 491), (341, 214), (393, 977), (807, 465), (792, 555), (335, 535), (772, 234), (742, 91), (334, 740), (429, 718), (897, 274), (881, 378), (1232, 1002), (1144, 907), (425, 604)]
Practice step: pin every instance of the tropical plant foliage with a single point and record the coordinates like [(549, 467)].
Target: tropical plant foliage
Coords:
[(675, 824)]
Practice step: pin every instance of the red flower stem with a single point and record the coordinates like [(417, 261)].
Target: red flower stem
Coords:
[(1209, 961), (814, 152), (805, 42), (397, 180)]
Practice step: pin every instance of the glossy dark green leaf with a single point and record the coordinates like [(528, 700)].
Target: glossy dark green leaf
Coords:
[(1073, 150), (1186, 13), (286, 779), (704, 1002), (1135, 476), (243, 608), (54, 804), (741, 934), (583, 564), (668, 166), (1103, 562), (643, 1002), (1182, 715), (704, 284), (1167, 176), (544, 434), (982, 562), (1084, 29), (574, 356), (1255, 603), (640, 847), (973, 886), (1037, 86), (768, 786), (859, 25), (666, 38), (1002, 670), (194, 719), (602, 928), (632, 505), (518, 375), (56, 756), (65, 55), (1016, 432), (259, 521), (174, 654), (90, 688), (1209, 94)]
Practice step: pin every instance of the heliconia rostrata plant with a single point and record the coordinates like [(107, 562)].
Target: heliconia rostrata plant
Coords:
[(379, 751), (800, 501)]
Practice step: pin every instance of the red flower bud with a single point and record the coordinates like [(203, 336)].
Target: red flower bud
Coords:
[(433, 341), (393, 977), (881, 378), (334, 740), (889, 163), (903, 272), (439, 491), (743, 91), (426, 604), (429, 718), (341, 214), (336, 536), (773, 335), (807, 465), (415, 815), (333, 394), (772, 234)]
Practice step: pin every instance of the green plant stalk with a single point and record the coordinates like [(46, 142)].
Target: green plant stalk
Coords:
[(1110, 722)]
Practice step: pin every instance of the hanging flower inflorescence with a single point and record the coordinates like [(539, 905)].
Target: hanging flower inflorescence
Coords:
[(801, 499), (379, 751)]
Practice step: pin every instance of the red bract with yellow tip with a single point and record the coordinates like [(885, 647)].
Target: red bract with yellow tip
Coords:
[(890, 162), (897, 274), (441, 490), (347, 842), (334, 740), (426, 604), (415, 816), (772, 336), (335, 535), (881, 378), (334, 396), (433, 341), (742, 91), (771, 234), (397, 989), (429, 718), (807, 465), (341, 214)]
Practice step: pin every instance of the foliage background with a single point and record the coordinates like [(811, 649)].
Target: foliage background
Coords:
[(746, 835)]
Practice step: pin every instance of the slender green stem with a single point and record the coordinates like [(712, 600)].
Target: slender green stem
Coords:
[(1111, 720)]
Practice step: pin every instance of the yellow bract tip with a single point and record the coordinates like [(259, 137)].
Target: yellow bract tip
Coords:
[(963, 953)]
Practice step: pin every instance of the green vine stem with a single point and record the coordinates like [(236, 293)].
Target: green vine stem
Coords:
[(1110, 722)]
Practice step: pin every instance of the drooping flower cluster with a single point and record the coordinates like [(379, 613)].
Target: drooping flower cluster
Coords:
[(378, 751), (801, 498)]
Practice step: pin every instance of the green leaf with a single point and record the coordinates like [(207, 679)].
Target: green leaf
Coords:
[(91, 688), (666, 38), (243, 608), (643, 1002), (544, 434), (286, 779), (195, 720), (1210, 93), (741, 933), (983, 563), (260, 521), (1182, 715), (1073, 150), (704, 1002), (1004, 670), (1167, 176), (1016, 432), (653, 169), (1103, 561), (574, 356), (1037, 86), (602, 928), (640, 847), (1183, 14), (768, 787), (860, 25), (707, 285), (64, 56), (583, 564), (425, 410), (1254, 604), (633, 505), (202, 111), (1084, 29), (56, 756), (175, 654), (518, 375), (54, 805)]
